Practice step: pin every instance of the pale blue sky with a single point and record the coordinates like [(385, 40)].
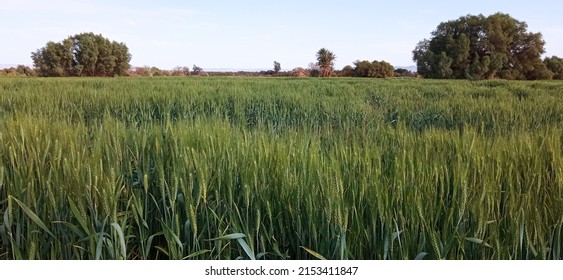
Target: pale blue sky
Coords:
[(252, 34)]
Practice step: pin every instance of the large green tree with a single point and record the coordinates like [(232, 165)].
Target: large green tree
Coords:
[(325, 62), (85, 54), (479, 47)]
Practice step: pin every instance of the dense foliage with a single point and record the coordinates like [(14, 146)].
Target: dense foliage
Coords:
[(374, 69), (19, 71), (275, 168), (555, 65), (85, 54), (479, 47)]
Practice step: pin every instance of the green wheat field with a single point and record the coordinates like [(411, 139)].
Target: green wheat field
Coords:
[(280, 168)]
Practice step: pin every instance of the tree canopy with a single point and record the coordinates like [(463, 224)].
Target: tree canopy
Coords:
[(85, 54), (479, 47), (374, 69)]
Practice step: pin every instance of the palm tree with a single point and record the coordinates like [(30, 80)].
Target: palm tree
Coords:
[(325, 61)]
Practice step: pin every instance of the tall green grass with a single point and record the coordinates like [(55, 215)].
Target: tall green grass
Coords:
[(226, 168)]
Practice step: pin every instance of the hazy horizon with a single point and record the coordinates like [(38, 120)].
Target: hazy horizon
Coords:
[(252, 34)]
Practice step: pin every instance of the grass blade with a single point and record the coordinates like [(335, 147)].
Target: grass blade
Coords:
[(228, 237), (119, 231), (478, 241), (420, 256), (315, 254), (32, 216), (77, 216), (6, 220), (99, 246), (195, 254), (246, 248)]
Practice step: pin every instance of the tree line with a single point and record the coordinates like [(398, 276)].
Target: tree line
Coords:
[(471, 47), (324, 67), (19, 71)]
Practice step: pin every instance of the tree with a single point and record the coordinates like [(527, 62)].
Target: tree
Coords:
[(277, 67), (383, 69), (156, 72), (314, 70), (347, 71), (85, 54), (25, 71), (555, 65), (374, 69), (479, 47), (19, 71), (196, 70), (325, 62), (299, 72), (181, 71), (363, 69)]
